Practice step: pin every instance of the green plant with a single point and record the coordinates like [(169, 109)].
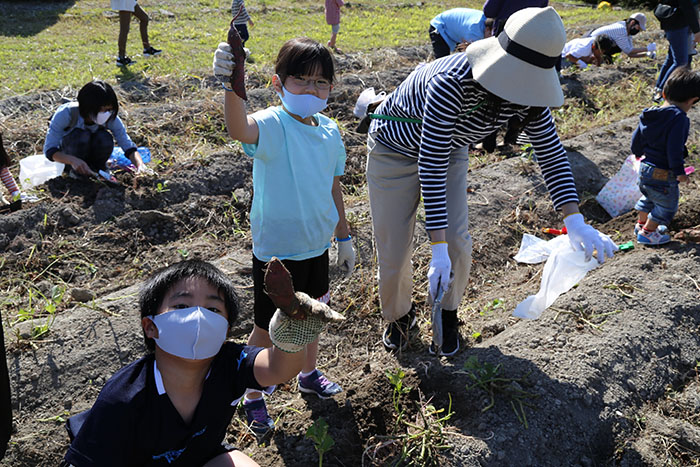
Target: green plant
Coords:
[(184, 252), (162, 187), (323, 442), (38, 306), (492, 306), (489, 379)]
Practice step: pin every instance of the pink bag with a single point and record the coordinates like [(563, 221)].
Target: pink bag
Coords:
[(621, 192)]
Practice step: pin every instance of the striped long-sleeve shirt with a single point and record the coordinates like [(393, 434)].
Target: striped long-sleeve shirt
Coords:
[(235, 7), (618, 33), (450, 103), (8, 180)]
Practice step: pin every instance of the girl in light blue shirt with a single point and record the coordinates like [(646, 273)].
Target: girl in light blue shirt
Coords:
[(298, 158)]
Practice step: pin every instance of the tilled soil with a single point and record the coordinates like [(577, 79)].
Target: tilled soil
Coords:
[(607, 376)]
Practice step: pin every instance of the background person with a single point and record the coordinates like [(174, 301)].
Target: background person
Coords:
[(676, 30), (660, 137), (8, 180), (585, 51), (298, 158), (461, 99), (241, 21), (457, 27), (81, 134), (333, 19), (621, 33), (127, 8), (500, 10)]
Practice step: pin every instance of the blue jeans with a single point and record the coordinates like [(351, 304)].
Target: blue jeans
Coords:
[(94, 148), (677, 54), (659, 196)]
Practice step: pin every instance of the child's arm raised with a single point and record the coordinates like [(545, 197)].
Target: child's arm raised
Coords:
[(239, 125)]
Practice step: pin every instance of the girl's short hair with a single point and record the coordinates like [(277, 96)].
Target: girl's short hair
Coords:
[(304, 56), (154, 289), (93, 96), (5, 160)]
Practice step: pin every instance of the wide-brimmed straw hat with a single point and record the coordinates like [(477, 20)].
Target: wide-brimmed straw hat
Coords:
[(518, 65)]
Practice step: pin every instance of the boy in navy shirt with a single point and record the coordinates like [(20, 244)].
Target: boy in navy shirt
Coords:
[(172, 407), (660, 137)]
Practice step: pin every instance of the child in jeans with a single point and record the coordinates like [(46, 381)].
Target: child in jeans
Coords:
[(660, 137), (333, 18), (298, 158), (242, 20)]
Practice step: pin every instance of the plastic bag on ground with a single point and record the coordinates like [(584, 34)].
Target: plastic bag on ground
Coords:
[(565, 267), (35, 170), (621, 192), (118, 159)]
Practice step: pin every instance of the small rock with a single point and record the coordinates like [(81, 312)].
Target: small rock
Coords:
[(82, 295), (167, 13), (68, 218), (68, 404)]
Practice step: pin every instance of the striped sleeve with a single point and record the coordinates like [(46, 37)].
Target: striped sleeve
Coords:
[(442, 107), (618, 33), (552, 160), (8, 180)]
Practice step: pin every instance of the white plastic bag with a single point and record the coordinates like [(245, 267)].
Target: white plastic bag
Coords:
[(621, 192), (366, 98), (534, 250), (35, 170), (563, 270)]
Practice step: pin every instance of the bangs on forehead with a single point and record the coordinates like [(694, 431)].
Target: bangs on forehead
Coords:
[(311, 67), (304, 57)]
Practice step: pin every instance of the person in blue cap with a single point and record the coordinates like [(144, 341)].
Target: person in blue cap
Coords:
[(457, 28)]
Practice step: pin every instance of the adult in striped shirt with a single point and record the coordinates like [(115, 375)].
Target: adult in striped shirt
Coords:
[(242, 20), (621, 33), (420, 148)]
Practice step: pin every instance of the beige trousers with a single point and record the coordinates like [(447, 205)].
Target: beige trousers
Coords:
[(394, 195)]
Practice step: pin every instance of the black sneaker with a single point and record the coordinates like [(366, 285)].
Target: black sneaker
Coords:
[(151, 52), (124, 61), (396, 333), (450, 335)]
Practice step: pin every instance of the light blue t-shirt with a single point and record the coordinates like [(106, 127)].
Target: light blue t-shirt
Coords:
[(460, 25), (293, 214)]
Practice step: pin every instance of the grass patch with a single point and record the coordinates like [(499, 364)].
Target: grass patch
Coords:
[(55, 44)]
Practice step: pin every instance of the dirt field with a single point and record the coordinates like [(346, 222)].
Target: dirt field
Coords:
[(607, 376)]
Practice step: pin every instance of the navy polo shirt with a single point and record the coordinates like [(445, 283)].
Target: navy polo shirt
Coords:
[(134, 423)]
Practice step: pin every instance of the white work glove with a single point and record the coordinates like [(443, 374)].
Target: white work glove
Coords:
[(440, 268), (223, 62), (145, 170), (585, 238), (346, 256), (581, 64), (292, 335), (651, 47)]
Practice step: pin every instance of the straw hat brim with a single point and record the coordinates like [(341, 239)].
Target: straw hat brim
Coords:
[(511, 78)]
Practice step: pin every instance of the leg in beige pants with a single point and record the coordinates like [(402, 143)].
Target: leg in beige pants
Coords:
[(394, 194)]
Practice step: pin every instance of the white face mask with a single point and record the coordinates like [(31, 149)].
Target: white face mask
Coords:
[(102, 117), (303, 105), (194, 333)]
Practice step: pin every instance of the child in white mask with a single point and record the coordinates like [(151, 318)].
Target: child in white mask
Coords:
[(173, 406), (298, 158), (81, 134)]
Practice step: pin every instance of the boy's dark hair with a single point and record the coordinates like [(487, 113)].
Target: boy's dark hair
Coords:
[(154, 289), (93, 96), (681, 85), (304, 56), (5, 160), (604, 43), (488, 24)]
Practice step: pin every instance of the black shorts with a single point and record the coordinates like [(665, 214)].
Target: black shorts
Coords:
[(309, 276)]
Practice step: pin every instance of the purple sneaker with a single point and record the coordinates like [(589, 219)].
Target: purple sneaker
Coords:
[(259, 421), (317, 383)]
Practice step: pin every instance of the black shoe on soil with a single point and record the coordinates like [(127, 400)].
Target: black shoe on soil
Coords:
[(450, 335), (396, 333)]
